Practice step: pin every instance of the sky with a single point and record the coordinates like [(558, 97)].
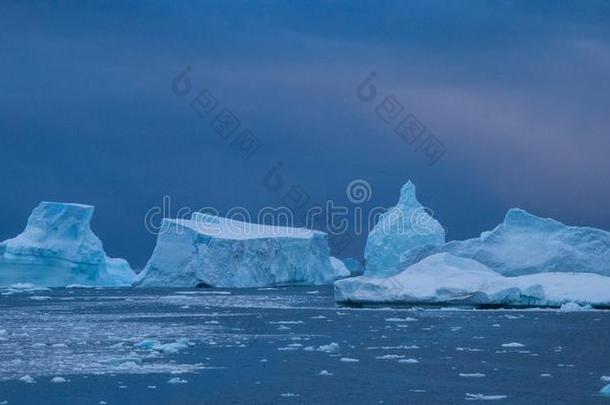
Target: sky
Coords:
[(517, 94)]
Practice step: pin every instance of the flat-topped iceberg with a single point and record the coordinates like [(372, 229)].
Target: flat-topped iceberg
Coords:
[(527, 244), (219, 252), (403, 228), (58, 248), (446, 279)]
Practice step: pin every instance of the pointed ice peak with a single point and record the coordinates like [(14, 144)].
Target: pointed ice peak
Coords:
[(408, 193), (520, 217)]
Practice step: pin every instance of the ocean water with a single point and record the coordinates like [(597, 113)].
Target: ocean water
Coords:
[(288, 346)]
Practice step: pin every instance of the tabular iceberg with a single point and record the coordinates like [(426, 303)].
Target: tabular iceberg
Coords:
[(404, 228), (446, 279), (220, 252), (526, 244), (58, 248)]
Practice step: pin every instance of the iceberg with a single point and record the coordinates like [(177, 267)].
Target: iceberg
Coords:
[(340, 270), (355, 266), (527, 244), (403, 228), (447, 279), (58, 248), (211, 251)]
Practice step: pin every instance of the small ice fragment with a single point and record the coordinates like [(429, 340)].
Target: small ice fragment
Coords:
[(176, 380), (605, 391), (390, 357), (481, 397), (349, 360), (605, 378), (574, 307), (331, 347), (472, 375), (290, 394), (407, 319), (27, 379), (324, 372), (408, 361), (545, 375), (58, 380), (513, 344)]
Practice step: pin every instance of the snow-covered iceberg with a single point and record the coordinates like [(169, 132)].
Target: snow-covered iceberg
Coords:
[(527, 244), (219, 252), (406, 227), (446, 279), (58, 248)]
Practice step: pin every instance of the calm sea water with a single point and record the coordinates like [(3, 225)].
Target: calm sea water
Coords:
[(288, 346)]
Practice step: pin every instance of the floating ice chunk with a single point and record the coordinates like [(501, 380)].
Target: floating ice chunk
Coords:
[(407, 319), (58, 248), (404, 228), (605, 378), (325, 373), (481, 397), (27, 379), (446, 279), (176, 380), (408, 361), (148, 344), (58, 380), (605, 391), (289, 394), (329, 348), (472, 375), (348, 360), (220, 252), (513, 345), (391, 357), (574, 307)]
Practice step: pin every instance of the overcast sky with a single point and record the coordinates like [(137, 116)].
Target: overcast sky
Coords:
[(517, 92)]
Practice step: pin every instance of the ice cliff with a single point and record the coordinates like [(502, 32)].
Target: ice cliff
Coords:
[(58, 248), (219, 252)]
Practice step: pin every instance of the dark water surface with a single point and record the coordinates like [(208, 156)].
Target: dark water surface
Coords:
[(263, 346)]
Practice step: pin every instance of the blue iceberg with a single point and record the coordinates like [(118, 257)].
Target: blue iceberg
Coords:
[(219, 252), (58, 248), (407, 227), (526, 244)]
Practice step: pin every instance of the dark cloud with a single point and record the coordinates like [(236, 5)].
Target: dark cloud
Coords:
[(517, 91)]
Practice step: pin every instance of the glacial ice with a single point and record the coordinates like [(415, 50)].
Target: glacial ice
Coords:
[(355, 266), (219, 252), (339, 268), (446, 279), (403, 228), (58, 248), (527, 244)]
